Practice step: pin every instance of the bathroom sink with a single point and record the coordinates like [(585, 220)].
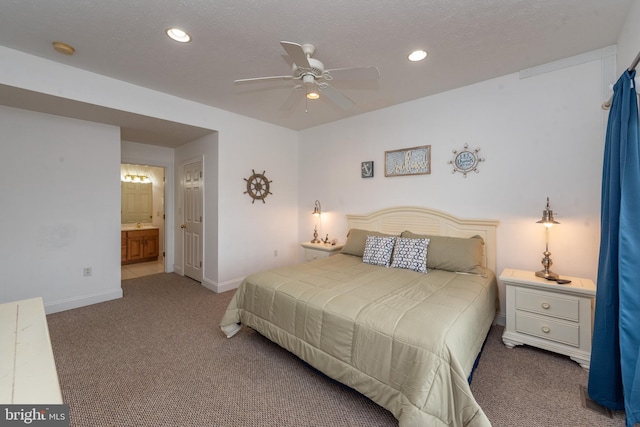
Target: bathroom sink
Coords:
[(135, 227)]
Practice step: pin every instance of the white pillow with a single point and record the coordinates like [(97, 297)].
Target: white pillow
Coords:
[(410, 254), (378, 250)]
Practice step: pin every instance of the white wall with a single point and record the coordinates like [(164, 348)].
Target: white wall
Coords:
[(250, 233), (629, 40), (60, 197), (245, 234), (541, 136), (153, 155)]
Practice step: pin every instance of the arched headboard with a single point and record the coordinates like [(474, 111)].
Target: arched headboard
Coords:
[(429, 221)]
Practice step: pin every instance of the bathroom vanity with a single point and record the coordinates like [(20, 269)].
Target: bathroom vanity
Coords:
[(139, 244)]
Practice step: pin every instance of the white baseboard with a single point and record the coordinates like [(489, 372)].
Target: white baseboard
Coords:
[(500, 319), (81, 301), (221, 287)]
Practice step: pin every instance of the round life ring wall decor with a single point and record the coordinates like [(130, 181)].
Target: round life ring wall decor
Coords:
[(465, 160), (258, 186)]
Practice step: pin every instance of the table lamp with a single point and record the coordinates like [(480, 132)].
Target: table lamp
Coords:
[(548, 221), (316, 212)]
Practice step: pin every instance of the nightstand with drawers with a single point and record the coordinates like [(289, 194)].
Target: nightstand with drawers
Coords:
[(548, 315), (313, 251)]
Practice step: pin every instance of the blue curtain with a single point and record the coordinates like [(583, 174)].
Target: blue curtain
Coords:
[(614, 375)]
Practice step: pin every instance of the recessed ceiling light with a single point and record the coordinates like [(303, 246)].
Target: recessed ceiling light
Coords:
[(417, 55), (178, 35)]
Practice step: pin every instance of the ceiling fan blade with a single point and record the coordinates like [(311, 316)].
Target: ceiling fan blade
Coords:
[(294, 50), (336, 97), (354, 73), (292, 100), (263, 79)]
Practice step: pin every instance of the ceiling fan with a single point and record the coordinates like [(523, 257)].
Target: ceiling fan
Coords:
[(313, 77)]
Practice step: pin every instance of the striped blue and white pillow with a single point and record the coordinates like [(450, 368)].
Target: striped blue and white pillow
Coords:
[(378, 250), (410, 254)]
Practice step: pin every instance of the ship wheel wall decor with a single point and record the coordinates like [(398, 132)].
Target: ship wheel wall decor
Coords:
[(465, 160), (257, 186)]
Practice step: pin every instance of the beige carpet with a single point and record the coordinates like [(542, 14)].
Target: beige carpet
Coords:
[(156, 358)]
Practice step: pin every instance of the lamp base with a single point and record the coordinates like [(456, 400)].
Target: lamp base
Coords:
[(315, 236), (546, 274)]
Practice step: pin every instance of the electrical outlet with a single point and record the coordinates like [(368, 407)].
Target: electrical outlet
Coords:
[(86, 271), (275, 252)]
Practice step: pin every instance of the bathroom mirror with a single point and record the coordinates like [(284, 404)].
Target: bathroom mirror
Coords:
[(137, 202)]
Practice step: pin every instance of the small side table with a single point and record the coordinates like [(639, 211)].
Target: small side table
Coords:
[(548, 315), (313, 251)]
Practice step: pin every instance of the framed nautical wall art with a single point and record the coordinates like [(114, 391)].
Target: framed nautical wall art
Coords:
[(408, 161), (366, 169)]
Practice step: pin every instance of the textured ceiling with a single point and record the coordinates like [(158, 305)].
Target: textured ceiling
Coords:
[(468, 41)]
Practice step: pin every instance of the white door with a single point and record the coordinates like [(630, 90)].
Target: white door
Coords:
[(192, 226)]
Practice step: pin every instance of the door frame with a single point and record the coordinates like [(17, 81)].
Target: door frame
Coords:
[(169, 207)]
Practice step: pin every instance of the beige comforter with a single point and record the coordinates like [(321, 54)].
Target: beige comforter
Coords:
[(406, 340)]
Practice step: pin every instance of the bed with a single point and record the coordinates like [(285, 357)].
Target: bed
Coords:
[(406, 339)]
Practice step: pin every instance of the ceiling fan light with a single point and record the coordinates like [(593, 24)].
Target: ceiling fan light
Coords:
[(417, 55), (313, 95), (178, 35)]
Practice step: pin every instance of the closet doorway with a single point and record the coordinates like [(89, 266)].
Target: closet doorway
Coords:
[(142, 220)]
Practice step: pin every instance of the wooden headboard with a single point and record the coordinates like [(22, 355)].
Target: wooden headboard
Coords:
[(429, 221)]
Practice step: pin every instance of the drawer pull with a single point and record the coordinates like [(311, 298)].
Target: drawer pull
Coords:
[(546, 329), (546, 305)]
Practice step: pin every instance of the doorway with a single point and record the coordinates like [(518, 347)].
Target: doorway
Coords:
[(143, 210)]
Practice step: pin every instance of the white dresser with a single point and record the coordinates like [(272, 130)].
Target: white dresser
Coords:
[(548, 315)]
